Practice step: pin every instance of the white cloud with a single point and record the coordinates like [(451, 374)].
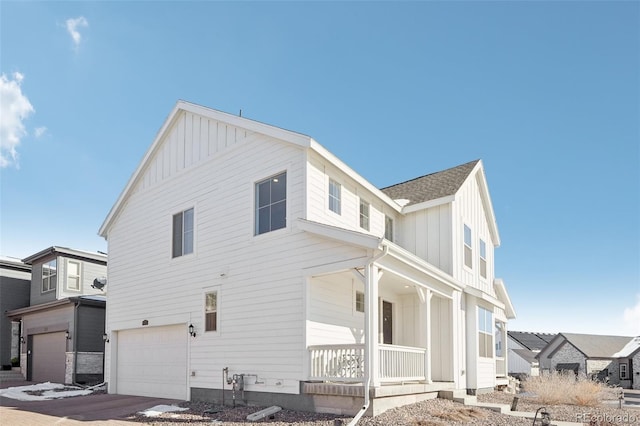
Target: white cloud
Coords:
[(73, 25), (632, 317), (39, 131), (14, 109)]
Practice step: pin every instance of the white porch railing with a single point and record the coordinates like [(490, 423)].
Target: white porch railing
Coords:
[(501, 367), (345, 363), (401, 363)]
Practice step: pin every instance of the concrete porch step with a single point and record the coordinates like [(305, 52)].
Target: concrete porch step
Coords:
[(11, 376), (458, 395)]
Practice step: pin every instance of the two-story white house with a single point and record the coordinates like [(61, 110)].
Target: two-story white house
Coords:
[(239, 250)]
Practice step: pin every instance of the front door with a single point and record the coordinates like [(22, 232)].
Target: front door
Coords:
[(387, 322)]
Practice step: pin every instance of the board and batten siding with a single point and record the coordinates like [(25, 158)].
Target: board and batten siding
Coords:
[(427, 234), (467, 209), (260, 298)]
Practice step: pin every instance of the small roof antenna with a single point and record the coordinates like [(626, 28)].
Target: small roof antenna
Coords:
[(240, 112)]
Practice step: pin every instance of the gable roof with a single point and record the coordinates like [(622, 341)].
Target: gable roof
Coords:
[(432, 186), (593, 345), (629, 349), (526, 354), (284, 135), (441, 187), (531, 340)]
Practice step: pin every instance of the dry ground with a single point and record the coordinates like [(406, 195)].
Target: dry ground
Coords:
[(436, 412)]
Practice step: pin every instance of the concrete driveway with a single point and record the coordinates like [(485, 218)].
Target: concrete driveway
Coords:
[(98, 409)]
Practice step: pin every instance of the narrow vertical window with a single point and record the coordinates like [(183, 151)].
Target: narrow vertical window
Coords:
[(388, 228), (335, 196), (73, 275), (271, 204), (623, 371), (483, 259), (359, 301), (364, 215), (183, 233), (211, 311), (485, 333), (49, 276), (468, 251)]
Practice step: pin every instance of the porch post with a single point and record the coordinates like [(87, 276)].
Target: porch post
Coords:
[(427, 355), (372, 280)]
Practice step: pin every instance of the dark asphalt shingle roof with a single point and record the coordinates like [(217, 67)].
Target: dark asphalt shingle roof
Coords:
[(431, 186), (526, 354), (531, 341), (595, 346)]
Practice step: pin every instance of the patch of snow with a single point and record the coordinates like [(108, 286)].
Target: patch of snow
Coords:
[(48, 388), (159, 409)]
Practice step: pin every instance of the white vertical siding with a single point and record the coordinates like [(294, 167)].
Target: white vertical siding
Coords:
[(469, 210), (427, 234)]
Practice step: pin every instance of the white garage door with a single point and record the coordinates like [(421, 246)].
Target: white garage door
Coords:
[(152, 361), (48, 357)]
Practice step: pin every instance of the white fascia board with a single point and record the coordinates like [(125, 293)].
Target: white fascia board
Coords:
[(89, 255), (486, 203), (354, 175), (181, 107), (423, 266), (503, 295), (346, 236), (428, 204), (479, 294)]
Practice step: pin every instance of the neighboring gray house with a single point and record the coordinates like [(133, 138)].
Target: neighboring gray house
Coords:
[(628, 359), (523, 347), (593, 355), (15, 282), (63, 326)]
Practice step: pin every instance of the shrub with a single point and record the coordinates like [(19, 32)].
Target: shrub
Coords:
[(15, 362), (556, 388)]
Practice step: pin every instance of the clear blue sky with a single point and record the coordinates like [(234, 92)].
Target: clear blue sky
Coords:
[(547, 94)]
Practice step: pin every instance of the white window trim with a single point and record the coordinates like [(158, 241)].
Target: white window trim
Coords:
[(360, 202), (626, 371), (481, 259), (67, 275), (330, 197), (253, 181), (393, 225), (489, 333), (182, 209), (206, 290), (465, 245), (49, 289)]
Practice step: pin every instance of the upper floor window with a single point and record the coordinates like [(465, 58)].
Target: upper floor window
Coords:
[(623, 371), (485, 333), (364, 215), (335, 196), (211, 311), (73, 275), (183, 233), (468, 251), (49, 276), (271, 204), (483, 259), (359, 301), (388, 228)]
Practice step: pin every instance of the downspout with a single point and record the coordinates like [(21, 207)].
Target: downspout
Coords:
[(368, 345), (75, 342)]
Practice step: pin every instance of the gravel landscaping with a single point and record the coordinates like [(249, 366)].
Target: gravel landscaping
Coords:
[(437, 412)]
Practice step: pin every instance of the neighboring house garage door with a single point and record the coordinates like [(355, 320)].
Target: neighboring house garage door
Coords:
[(153, 362), (48, 357)]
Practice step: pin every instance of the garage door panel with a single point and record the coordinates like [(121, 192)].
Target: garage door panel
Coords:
[(153, 362), (49, 357)]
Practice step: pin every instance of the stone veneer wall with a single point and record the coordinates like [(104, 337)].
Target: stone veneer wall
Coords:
[(566, 354), (90, 367), (635, 381)]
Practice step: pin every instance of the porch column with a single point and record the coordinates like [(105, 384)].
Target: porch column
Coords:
[(427, 355), (371, 301)]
